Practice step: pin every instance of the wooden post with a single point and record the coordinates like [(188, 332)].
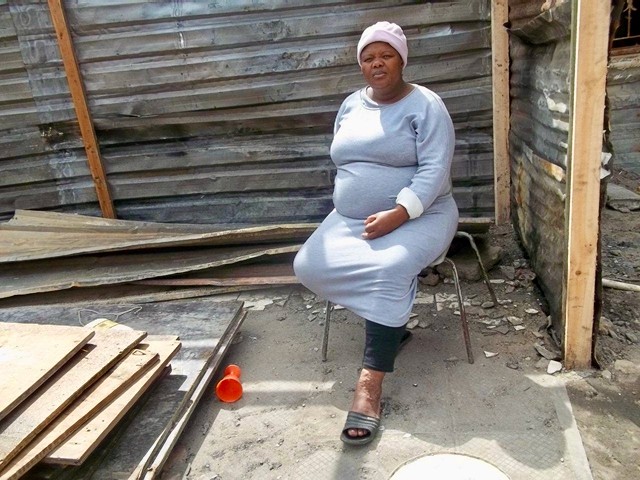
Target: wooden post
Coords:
[(500, 76), (76, 86), (589, 40)]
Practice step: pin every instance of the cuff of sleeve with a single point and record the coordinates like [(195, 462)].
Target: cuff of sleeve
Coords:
[(410, 201)]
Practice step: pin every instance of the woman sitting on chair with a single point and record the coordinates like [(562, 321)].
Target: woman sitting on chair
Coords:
[(394, 213)]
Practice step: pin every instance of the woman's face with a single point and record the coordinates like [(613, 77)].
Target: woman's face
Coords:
[(381, 66)]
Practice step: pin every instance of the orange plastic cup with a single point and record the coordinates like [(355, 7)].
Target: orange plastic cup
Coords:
[(229, 389)]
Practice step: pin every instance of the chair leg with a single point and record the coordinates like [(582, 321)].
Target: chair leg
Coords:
[(325, 338), (463, 314), (492, 293)]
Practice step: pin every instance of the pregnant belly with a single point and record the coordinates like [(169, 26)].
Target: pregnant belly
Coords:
[(362, 189)]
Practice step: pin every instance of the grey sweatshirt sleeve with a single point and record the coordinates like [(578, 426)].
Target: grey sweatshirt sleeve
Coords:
[(435, 143)]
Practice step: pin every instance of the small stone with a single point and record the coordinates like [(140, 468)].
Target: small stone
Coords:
[(631, 337), (605, 326), (413, 323), (531, 311), (517, 328), (490, 354), (503, 329), (496, 280), (425, 323), (513, 365), (508, 272), (546, 353), (488, 305), (476, 303), (514, 320), (431, 279), (554, 367), (606, 374)]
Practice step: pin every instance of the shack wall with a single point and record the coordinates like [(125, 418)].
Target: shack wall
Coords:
[(623, 93), (221, 112), (540, 49)]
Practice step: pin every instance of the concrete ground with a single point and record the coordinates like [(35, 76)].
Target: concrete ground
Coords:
[(504, 409)]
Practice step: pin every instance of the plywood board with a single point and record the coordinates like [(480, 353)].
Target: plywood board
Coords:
[(133, 366), (75, 449), (59, 274), (29, 354), (36, 412)]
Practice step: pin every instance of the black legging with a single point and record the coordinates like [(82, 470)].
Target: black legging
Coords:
[(381, 346)]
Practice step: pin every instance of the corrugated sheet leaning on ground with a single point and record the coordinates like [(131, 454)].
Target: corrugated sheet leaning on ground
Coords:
[(221, 112), (540, 50)]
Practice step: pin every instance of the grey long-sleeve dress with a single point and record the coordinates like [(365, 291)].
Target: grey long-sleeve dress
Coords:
[(379, 150)]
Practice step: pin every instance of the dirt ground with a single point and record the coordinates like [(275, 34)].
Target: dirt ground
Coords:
[(229, 441)]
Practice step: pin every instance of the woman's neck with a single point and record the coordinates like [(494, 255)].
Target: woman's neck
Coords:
[(390, 96)]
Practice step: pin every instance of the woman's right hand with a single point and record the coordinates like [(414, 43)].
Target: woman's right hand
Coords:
[(381, 223)]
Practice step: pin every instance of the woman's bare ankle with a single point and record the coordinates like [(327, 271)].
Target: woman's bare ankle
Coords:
[(368, 393)]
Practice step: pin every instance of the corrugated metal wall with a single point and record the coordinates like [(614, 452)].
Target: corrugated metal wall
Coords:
[(221, 111), (623, 92), (540, 51)]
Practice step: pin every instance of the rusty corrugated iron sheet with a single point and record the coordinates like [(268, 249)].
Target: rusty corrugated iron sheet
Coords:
[(623, 93), (221, 112), (540, 109)]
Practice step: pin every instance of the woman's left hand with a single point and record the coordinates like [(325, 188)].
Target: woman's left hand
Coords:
[(384, 222)]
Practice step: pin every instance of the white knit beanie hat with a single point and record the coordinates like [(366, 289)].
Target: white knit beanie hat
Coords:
[(385, 32)]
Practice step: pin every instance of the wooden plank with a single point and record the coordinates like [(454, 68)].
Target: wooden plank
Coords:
[(36, 412), (120, 377), (30, 354), (500, 76), (151, 465), (77, 447), (59, 274), (85, 122), (589, 39)]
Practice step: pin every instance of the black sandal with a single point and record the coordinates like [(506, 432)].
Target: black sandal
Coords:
[(360, 421)]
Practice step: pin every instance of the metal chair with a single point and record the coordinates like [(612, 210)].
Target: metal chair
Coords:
[(463, 316)]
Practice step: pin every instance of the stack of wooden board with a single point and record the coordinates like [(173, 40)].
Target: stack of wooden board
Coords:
[(73, 385), (58, 381), (53, 252)]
